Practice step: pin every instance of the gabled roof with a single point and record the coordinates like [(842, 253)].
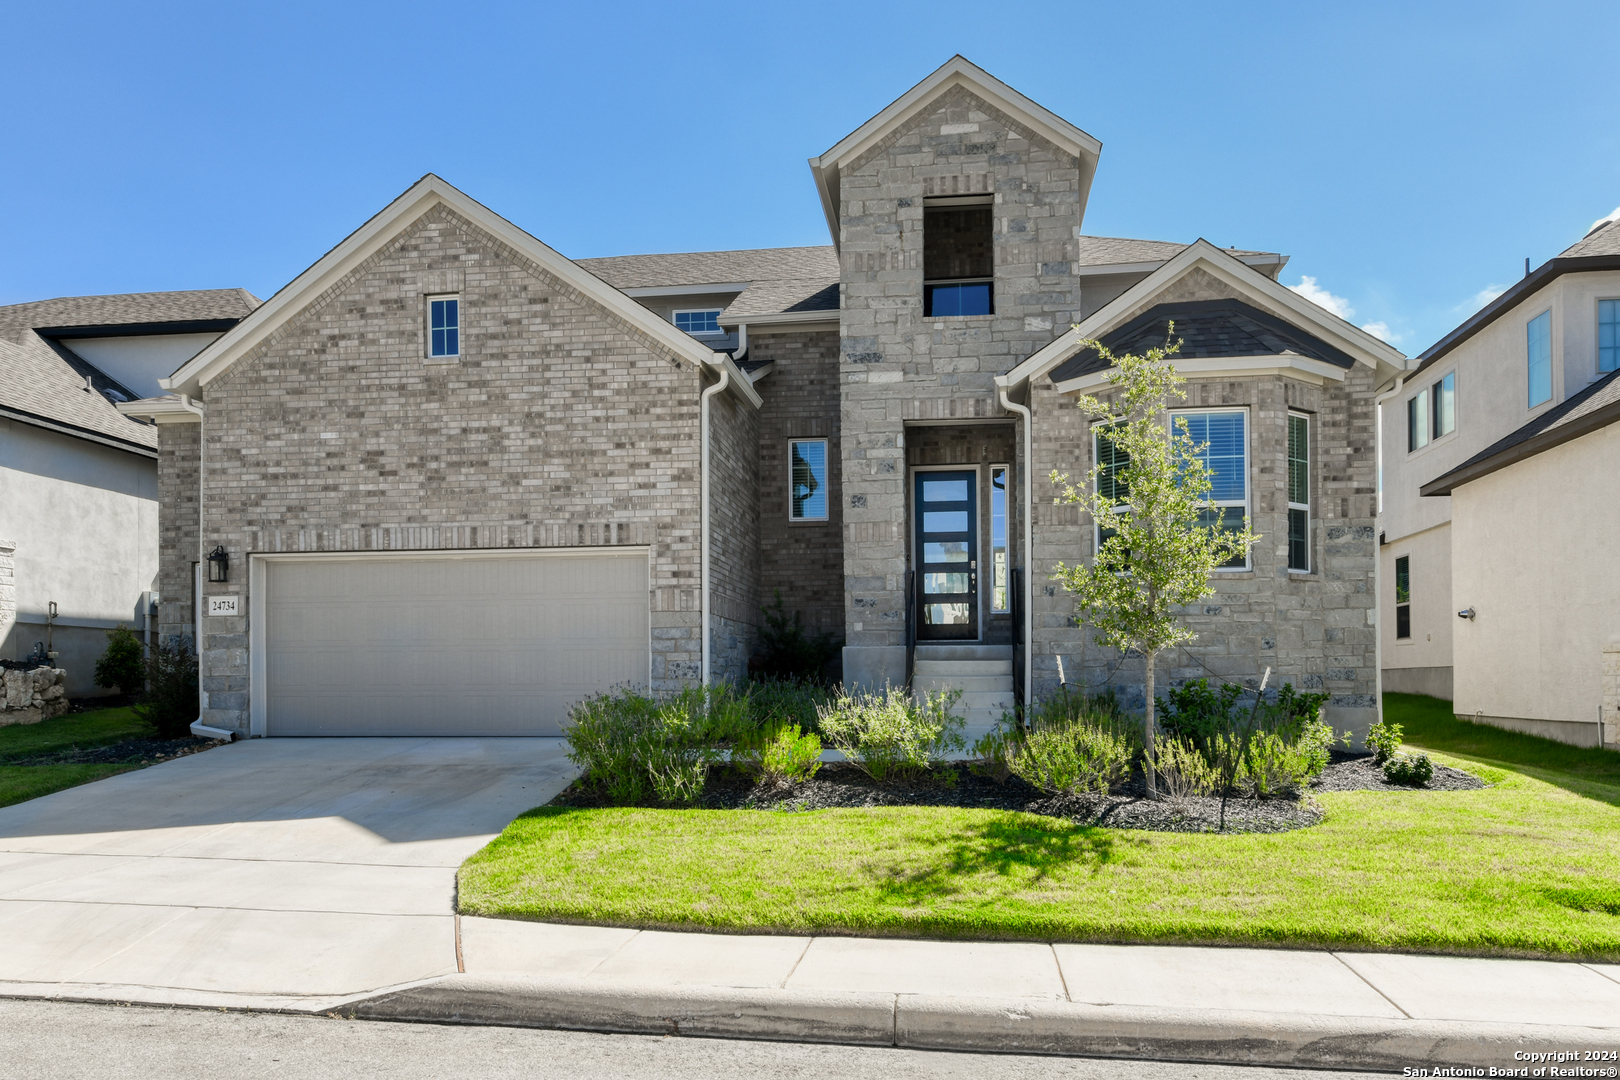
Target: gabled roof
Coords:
[(1307, 319), (1598, 250), (1206, 329), (1596, 407), (715, 267), (396, 217), (957, 71), (1118, 255), (44, 382)]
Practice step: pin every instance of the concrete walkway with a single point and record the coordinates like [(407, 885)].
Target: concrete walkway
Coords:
[(319, 875)]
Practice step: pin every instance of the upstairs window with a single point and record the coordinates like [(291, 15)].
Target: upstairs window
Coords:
[(1417, 421), (1403, 597), (807, 480), (444, 326), (1608, 335), (1538, 355), (1299, 493), (958, 270), (1224, 436), (703, 322), (1445, 405)]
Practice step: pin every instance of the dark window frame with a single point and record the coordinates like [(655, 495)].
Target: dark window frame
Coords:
[(1403, 598)]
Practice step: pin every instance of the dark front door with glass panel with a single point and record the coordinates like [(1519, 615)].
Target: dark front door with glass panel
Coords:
[(946, 510)]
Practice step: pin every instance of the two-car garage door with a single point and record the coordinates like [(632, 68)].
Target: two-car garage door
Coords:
[(447, 645)]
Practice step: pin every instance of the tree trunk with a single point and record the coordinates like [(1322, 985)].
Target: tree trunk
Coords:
[(1147, 725)]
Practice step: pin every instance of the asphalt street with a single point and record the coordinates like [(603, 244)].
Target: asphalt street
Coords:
[(48, 1040)]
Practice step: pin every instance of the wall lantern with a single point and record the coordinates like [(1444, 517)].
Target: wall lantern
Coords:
[(219, 564)]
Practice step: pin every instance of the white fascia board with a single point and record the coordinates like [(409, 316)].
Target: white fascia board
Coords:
[(1224, 267), (781, 317), (1110, 269), (648, 291), (759, 373), (741, 384), (379, 231), (957, 71), (1220, 367), (162, 410)]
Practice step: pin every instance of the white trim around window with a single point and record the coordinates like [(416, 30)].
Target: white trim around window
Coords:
[(441, 317), (1226, 504), (816, 501), (700, 322)]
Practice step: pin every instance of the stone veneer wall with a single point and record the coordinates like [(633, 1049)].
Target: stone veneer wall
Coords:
[(559, 426), (805, 560), (29, 696), (898, 366), (1317, 630), (734, 532), (177, 529)]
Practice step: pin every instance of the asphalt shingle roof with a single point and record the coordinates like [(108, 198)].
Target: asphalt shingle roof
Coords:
[(715, 267), (1206, 328), (1107, 250), (1603, 240), (44, 379)]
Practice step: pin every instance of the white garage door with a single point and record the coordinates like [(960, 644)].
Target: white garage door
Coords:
[(479, 645)]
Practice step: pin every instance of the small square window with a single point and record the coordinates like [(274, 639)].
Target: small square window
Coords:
[(807, 480), (704, 323), (444, 326)]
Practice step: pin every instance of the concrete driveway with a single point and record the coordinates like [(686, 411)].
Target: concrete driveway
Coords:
[(298, 869)]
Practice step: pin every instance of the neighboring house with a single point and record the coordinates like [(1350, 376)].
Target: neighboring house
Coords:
[(459, 480), (1504, 431), (78, 481)]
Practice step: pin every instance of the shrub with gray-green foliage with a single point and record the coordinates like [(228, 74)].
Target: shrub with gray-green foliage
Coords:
[(1184, 771), (1073, 755), (891, 736), (633, 745), (1411, 770)]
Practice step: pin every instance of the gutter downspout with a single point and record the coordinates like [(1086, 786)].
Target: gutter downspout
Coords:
[(1027, 483), (725, 381), (1378, 558), (191, 407)]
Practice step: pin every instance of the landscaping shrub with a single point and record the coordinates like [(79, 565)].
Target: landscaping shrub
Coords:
[(1263, 749), (170, 704), (123, 665), (778, 755), (1073, 756), (1414, 771), (989, 752), (787, 650), (632, 744), (1183, 770), (891, 736), (1384, 740), (773, 702)]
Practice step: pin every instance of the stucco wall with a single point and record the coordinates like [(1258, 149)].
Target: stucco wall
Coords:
[(804, 559), (1420, 664), (1534, 555), (559, 426), (84, 518)]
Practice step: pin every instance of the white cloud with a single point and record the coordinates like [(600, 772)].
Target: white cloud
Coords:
[(1480, 299), (1604, 220), (1381, 331), (1310, 290)]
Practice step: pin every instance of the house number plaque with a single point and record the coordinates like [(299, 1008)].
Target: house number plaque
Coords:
[(222, 605)]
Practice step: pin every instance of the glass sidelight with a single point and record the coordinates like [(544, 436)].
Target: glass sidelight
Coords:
[(945, 508)]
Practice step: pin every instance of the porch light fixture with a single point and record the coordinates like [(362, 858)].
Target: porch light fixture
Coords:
[(219, 564)]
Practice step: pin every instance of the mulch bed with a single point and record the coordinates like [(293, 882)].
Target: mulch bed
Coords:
[(841, 785), (128, 752)]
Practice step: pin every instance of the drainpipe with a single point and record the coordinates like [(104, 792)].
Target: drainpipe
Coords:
[(1028, 484), (725, 381), (192, 407)]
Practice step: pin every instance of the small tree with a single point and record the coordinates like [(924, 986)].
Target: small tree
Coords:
[(1148, 491), (123, 665)]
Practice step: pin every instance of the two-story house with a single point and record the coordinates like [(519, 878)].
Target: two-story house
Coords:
[(1502, 433), (448, 480)]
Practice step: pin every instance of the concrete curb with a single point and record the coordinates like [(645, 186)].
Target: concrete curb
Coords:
[(973, 1024)]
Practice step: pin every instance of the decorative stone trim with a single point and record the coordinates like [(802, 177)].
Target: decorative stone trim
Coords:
[(27, 697)]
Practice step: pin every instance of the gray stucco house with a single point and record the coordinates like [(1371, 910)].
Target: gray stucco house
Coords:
[(453, 480)]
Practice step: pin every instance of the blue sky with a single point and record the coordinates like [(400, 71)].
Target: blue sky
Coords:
[(1408, 157)]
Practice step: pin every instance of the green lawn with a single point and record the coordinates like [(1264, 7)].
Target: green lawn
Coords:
[(1525, 867), (101, 727)]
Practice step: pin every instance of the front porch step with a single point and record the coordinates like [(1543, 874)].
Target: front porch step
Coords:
[(964, 652), (968, 684), (922, 669)]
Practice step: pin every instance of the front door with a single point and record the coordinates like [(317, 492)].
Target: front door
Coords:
[(946, 508)]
